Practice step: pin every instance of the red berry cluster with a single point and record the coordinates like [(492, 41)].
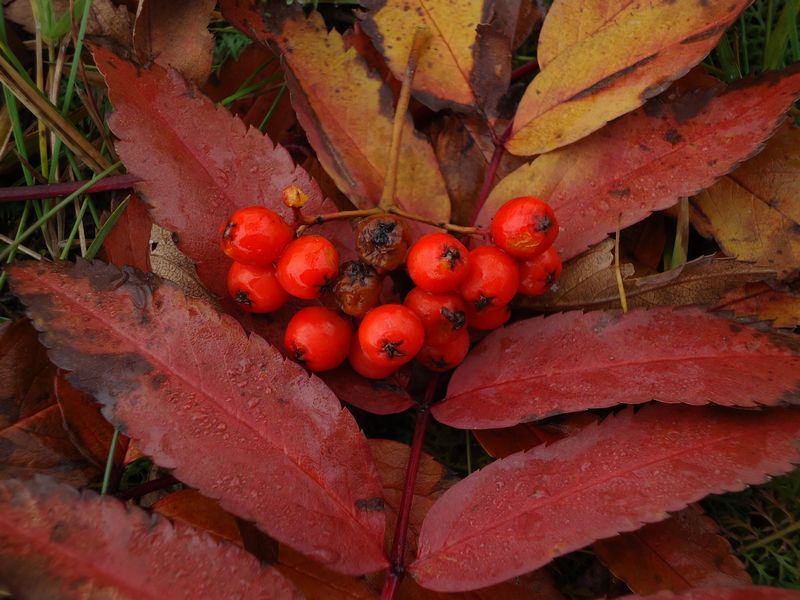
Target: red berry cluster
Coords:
[(455, 288)]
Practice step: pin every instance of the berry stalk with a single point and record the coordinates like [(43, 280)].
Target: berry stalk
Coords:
[(396, 567)]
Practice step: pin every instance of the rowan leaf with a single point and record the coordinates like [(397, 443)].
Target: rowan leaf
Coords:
[(519, 513), (589, 282), (57, 543), (671, 148), (199, 164), (225, 411), (128, 243), (32, 436), (574, 361), (754, 212), (465, 62), (379, 397), (175, 34), (682, 552), (346, 112), (602, 60), (725, 593), (198, 511), (779, 306)]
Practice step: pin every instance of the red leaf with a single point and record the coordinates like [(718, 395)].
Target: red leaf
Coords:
[(646, 160), (519, 513), (199, 163), (575, 361), (128, 243), (740, 593), (32, 436), (677, 554), (379, 397), (228, 413), (57, 543)]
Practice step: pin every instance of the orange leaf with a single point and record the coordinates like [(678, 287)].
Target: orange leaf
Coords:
[(465, 64), (680, 553), (753, 213), (347, 115), (192, 508), (759, 300), (601, 60)]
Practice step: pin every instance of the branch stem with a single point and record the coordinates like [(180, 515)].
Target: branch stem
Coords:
[(58, 190)]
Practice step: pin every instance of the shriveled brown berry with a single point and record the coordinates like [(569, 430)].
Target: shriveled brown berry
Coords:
[(358, 288), (382, 241)]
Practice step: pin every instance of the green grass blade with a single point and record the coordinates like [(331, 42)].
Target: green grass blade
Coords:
[(775, 48)]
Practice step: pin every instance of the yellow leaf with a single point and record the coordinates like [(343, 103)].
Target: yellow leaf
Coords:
[(603, 59), (346, 112), (465, 64), (754, 213)]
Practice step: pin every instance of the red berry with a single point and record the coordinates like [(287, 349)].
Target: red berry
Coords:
[(318, 337), (255, 288), (490, 317), (362, 364), (537, 274), (391, 335), (442, 315), (358, 289), (524, 227), (382, 241), (307, 265), (255, 235), (437, 262), (446, 356), (492, 278)]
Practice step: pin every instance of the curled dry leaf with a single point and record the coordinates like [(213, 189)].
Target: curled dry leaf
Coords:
[(32, 435), (465, 63), (673, 147), (347, 114), (57, 543), (682, 552), (589, 282), (781, 307), (601, 60), (187, 382), (754, 212), (175, 34), (574, 361), (519, 513)]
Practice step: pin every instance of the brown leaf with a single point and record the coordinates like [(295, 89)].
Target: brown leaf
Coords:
[(318, 583), (198, 511), (173, 265), (32, 437), (128, 243), (754, 213), (724, 593), (175, 34), (589, 282), (779, 306), (464, 64), (57, 543), (679, 553), (88, 429), (602, 60), (347, 115), (676, 145)]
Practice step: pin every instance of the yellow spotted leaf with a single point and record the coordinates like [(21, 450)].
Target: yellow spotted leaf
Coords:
[(754, 212), (346, 112), (601, 60), (465, 63)]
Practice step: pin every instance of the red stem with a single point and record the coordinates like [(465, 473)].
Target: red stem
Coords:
[(491, 172), (396, 568), (58, 190), (524, 69)]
